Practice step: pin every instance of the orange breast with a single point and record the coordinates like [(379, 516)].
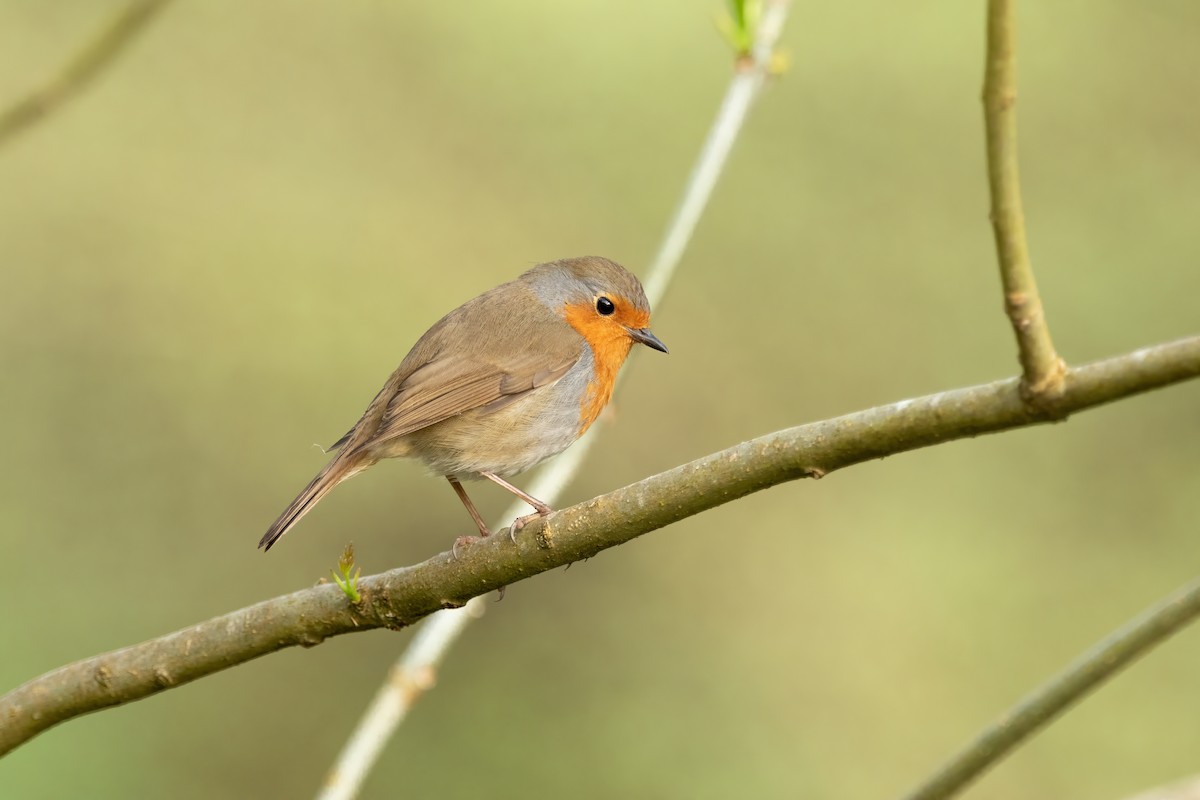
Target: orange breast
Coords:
[(610, 345)]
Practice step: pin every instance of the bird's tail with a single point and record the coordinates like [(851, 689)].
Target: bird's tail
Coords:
[(336, 471)]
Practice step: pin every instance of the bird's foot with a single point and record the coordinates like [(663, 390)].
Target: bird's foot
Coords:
[(543, 510), (463, 541)]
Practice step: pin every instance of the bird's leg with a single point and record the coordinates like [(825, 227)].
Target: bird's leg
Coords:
[(466, 501), (542, 509), (483, 528)]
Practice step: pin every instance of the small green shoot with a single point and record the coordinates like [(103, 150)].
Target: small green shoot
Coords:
[(346, 575), (739, 27)]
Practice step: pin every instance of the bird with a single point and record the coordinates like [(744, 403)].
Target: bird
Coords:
[(498, 385)]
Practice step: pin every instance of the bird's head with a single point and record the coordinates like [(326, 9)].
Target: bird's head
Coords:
[(600, 299)]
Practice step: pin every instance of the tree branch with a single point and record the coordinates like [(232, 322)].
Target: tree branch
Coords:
[(1042, 369), (80, 70), (399, 597), (1044, 705)]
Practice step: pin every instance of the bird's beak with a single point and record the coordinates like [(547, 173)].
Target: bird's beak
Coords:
[(644, 336)]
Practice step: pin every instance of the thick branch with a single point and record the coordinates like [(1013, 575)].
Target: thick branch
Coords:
[(402, 596), (80, 70), (1042, 369)]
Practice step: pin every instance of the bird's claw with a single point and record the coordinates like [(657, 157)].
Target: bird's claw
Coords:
[(460, 542), (521, 522)]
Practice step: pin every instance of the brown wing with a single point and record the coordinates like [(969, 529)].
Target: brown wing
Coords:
[(468, 361), (453, 384)]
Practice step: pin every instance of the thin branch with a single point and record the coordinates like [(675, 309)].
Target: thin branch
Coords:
[(414, 671), (81, 70), (1042, 369), (1039, 709), (400, 597)]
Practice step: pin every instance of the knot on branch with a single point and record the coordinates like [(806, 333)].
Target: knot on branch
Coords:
[(308, 639), (1015, 302), (413, 682), (163, 678), (999, 100), (544, 536), (1042, 392), (103, 676)]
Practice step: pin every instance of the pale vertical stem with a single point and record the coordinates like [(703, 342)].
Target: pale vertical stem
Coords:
[(1047, 702), (80, 70), (415, 671), (1042, 370), (709, 164)]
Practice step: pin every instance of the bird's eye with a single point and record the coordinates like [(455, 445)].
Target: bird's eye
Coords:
[(605, 306)]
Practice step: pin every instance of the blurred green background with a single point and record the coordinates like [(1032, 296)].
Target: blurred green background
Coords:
[(213, 258)]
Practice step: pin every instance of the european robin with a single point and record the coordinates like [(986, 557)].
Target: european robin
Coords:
[(499, 384)]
